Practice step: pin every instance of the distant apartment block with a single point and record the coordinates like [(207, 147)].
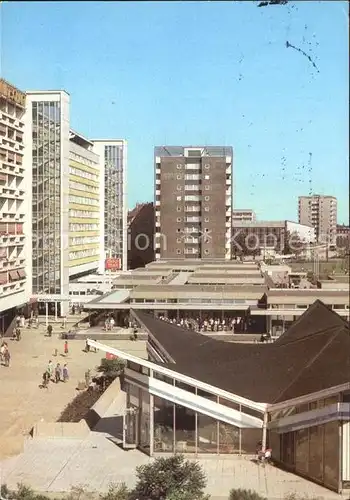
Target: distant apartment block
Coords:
[(343, 236), (15, 218), (86, 212), (241, 215), (141, 235), (113, 161), (193, 202), (343, 230), (321, 212)]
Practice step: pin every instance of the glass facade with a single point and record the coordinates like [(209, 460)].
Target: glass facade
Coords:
[(182, 430), (114, 203), (46, 204), (313, 452)]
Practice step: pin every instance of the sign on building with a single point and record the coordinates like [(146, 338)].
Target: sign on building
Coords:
[(112, 264)]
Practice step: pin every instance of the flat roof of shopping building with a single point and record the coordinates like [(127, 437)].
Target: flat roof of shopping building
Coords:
[(198, 291), (195, 264)]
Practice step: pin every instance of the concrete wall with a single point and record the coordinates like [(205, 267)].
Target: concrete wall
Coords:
[(103, 403), (74, 430)]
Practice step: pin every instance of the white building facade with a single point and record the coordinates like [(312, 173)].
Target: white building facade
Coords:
[(243, 215), (48, 155), (15, 205), (86, 222)]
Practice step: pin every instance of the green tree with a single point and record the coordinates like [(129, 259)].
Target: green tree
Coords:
[(172, 478), (116, 492), (241, 494), (112, 367), (293, 244), (244, 245)]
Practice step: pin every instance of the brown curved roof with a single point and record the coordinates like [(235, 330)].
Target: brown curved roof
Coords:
[(313, 354)]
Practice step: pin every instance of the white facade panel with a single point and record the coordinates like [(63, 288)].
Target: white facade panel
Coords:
[(305, 233), (346, 451), (202, 405)]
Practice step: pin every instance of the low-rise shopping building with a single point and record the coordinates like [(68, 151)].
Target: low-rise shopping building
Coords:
[(264, 300), (202, 398)]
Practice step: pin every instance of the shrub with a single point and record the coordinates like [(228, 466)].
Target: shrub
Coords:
[(294, 496), (112, 367), (240, 494), (172, 478), (78, 409), (116, 492)]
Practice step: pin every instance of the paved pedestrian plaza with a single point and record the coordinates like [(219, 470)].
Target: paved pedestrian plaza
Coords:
[(23, 403)]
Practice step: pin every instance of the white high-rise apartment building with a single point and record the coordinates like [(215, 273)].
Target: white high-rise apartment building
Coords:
[(319, 211), (113, 199), (15, 206)]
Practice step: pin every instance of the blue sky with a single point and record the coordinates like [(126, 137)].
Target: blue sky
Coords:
[(182, 73)]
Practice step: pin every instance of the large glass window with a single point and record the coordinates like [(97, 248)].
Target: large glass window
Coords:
[(302, 451), (46, 200), (164, 415), (114, 208), (249, 440), (331, 454), (145, 421), (229, 438), (185, 430), (207, 434), (316, 452), (230, 404)]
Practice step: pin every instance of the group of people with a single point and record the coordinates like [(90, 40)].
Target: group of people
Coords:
[(109, 323), (210, 324), (55, 373), (20, 321), (5, 355)]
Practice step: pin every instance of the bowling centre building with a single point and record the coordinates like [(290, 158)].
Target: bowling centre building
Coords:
[(197, 395)]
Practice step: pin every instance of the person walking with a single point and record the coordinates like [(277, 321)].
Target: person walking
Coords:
[(2, 352), (49, 330), (18, 321), (58, 373), (64, 321), (7, 357), (50, 369), (18, 334), (65, 348), (65, 373)]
